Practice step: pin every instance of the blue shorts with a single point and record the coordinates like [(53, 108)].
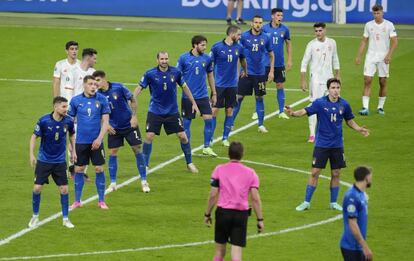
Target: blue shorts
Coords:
[(172, 123), (279, 75), (352, 255), (203, 105), (336, 158), (250, 83), (85, 153), (226, 97), (44, 170), (131, 135)]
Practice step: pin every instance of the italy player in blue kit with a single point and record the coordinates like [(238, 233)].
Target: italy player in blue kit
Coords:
[(122, 125), (256, 46), (353, 243), (331, 111), (91, 110), (195, 66), (279, 35), (226, 55), (162, 81), (52, 129)]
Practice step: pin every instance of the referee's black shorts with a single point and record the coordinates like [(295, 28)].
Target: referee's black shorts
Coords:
[(231, 226)]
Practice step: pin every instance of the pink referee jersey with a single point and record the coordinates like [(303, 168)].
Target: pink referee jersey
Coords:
[(235, 181)]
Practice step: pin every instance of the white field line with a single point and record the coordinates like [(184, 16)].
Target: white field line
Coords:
[(127, 84), (119, 29), (141, 249), (129, 181)]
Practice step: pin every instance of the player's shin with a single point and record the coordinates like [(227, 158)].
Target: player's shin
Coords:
[(281, 99), (100, 185), (140, 161), (113, 167), (79, 182), (187, 125), (147, 152), (64, 202), (208, 132), (228, 122), (35, 203), (309, 193), (237, 107), (260, 110), (186, 148)]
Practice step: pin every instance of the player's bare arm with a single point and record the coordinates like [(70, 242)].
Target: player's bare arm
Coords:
[(32, 156), (361, 49)]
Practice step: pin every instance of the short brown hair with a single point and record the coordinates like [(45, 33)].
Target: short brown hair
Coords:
[(377, 7), (88, 77), (236, 150)]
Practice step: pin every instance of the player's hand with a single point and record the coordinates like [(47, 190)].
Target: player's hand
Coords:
[(96, 144), (213, 99), (367, 253), (111, 129), (134, 122), (387, 59), (260, 226), (288, 110), (270, 76), (357, 60), (304, 86), (207, 220), (243, 74), (289, 65), (364, 131), (33, 160), (73, 157), (195, 109)]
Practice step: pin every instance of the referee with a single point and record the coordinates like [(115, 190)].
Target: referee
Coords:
[(231, 185)]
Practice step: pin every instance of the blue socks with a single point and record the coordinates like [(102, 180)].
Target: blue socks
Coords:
[(35, 202), (260, 110), (213, 128), (147, 152), (208, 132), (140, 160), (187, 152), (281, 99), (100, 185), (64, 202), (79, 182), (236, 108), (228, 122), (309, 192), (112, 167), (187, 124), (334, 194)]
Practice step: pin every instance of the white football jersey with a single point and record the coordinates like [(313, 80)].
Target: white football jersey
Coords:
[(323, 58), (64, 71), (78, 75), (379, 38)]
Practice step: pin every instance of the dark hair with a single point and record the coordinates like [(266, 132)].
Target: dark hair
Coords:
[(319, 24), (197, 39), (277, 10), (232, 29), (236, 150), (361, 172), (99, 73), (161, 52), (257, 16), (377, 7), (332, 80), (88, 52), (59, 99), (88, 77), (71, 43)]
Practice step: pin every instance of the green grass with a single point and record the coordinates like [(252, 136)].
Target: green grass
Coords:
[(173, 212)]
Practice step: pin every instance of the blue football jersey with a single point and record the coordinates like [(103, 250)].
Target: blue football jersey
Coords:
[(163, 89), (278, 36), (88, 112), (330, 117), (195, 70), (53, 138), (118, 96), (256, 47), (225, 58), (355, 205)]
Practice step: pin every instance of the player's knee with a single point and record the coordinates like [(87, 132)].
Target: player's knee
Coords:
[(63, 189), (259, 98), (137, 149), (229, 112), (99, 169), (279, 85), (149, 137), (80, 169), (37, 188), (182, 137), (335, 173), (315, 174), (114, 152)]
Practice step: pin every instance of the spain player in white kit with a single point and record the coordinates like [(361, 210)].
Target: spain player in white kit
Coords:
[(83, 69), (63, 72), (377, 33), (322, 57)]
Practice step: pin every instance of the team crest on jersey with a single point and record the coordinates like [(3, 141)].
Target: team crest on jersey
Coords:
[(351, 208), (115, 96), (97, 104), (37, 127), (65, 128), (261, 41), (281, 35), (329, 48), (341, 110), (317, 50), (172, 78), (203, 64), (236, 52)]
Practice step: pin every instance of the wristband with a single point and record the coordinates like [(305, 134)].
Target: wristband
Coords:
[(207, 215), (260, 220)]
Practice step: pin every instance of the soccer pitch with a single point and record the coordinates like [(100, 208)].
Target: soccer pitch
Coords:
[(167, 223)]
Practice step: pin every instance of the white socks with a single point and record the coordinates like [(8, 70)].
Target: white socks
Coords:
[(381, 101), (365, 102)]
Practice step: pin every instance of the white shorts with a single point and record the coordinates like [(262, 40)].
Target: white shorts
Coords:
[(317, 90), (371, 66)]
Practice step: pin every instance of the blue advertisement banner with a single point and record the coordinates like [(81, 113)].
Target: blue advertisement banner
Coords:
[(358, 11)]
